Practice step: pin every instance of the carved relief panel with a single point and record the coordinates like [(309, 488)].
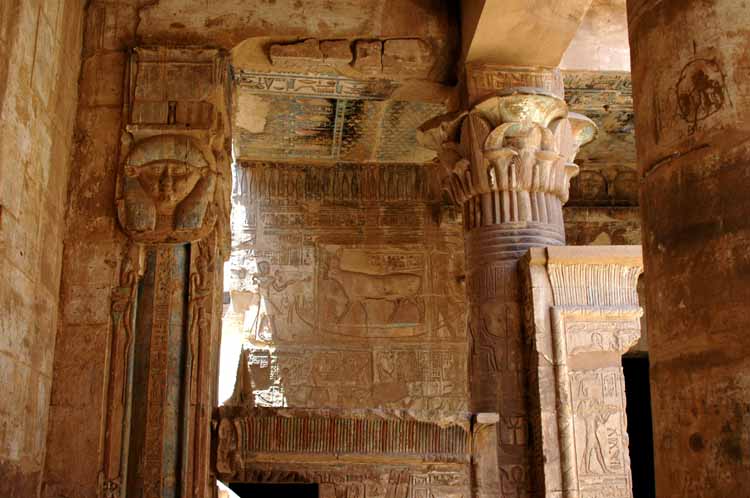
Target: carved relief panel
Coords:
[(598, 398), (582, 313), (172, 204), (348, 288), (174, 173), (346, 454)]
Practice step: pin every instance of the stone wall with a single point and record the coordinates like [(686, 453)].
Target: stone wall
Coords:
[(346, 288), (92, 254), (40, 45)]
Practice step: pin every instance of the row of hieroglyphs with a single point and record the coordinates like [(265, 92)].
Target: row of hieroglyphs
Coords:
[(392, 203), (278, 184), (409, 378)]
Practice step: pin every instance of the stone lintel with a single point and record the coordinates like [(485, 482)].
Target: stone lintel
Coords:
[(519, 31)]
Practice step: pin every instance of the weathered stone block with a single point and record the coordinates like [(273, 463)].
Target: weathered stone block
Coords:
[(336, 52), (17, 316), (46, 60), (62, 478), (79, 358), (15, 376), (368, 56), (408, 58), (85, 304), (45, 331), (21, 236), (101, 79), (110, 26), (300, 54)]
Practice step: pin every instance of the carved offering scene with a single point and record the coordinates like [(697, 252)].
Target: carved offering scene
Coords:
[(346, 290)]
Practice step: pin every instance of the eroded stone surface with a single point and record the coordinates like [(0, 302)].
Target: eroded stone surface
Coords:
[(692, 155), (40, 57)]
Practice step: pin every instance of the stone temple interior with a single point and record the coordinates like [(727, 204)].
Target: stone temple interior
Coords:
[(374, 248)]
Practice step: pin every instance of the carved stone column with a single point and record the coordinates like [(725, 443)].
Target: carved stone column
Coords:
[(507, 161), (691, 89), (582, 314), (171, 199)]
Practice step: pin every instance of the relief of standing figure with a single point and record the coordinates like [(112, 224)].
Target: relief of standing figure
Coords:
[(264, 323), (595, 415)]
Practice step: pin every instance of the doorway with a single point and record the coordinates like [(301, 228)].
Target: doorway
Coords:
[(263, 490), (638, 409)]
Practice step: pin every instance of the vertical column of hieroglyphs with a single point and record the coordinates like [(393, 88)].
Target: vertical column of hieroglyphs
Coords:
[(172, 188), (507, 160)]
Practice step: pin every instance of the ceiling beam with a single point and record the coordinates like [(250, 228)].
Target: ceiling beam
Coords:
[(519, 32)]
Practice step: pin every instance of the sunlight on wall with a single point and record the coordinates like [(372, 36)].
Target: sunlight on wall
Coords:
[(249, 320), (225, 492)]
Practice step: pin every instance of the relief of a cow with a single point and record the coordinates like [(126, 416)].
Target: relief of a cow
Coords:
[(360, 287)]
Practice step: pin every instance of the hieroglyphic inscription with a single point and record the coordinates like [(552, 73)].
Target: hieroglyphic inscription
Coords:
[(591, 90), (282, 184), (366, 481), (600, 431), (488, 79), (158, 373), (399, 378), (314, 85)]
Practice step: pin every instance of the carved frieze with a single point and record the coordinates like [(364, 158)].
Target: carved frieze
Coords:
[(384, 455), (367, 480), (314, 85), (484, 79), (259, 433)]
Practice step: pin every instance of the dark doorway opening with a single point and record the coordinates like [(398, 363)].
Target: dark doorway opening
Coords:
[(258, 490), (640, 432)]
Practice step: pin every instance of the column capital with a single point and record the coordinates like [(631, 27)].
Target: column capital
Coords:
[(514, 151)]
